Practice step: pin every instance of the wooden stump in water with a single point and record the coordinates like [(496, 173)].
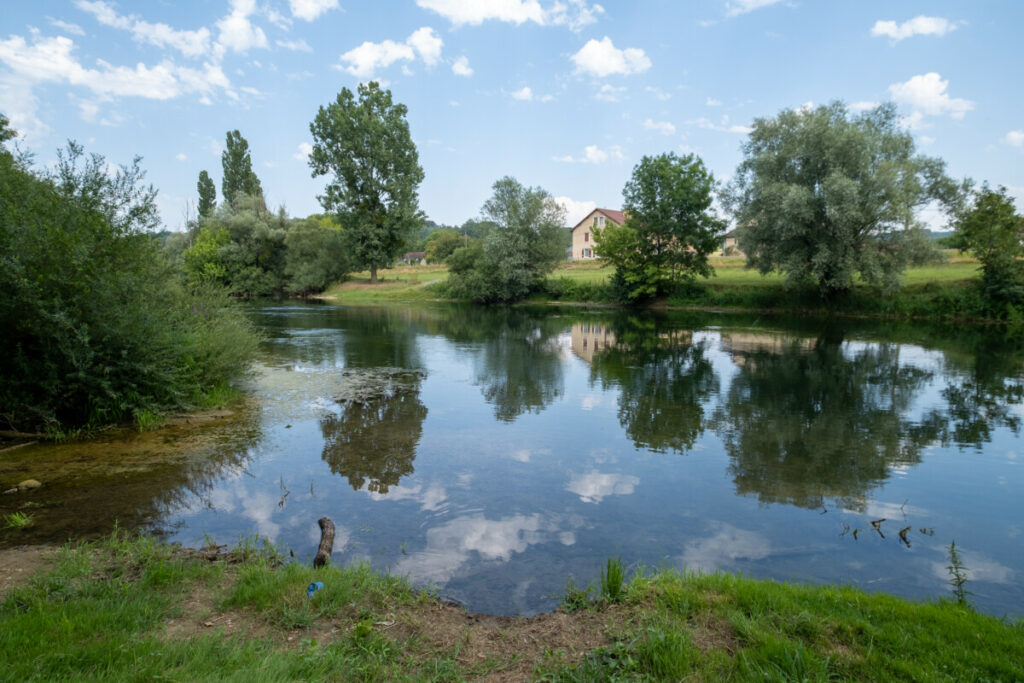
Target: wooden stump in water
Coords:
[(323, 553)]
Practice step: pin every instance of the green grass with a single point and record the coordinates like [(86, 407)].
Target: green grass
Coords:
[(133, 609), (939, 291), (725, 627), (17, 520), (401, 284)]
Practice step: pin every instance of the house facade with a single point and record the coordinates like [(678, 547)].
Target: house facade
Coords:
[(583, 232)]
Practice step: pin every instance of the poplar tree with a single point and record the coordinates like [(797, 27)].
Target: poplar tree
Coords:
[(207, 195), (238, 173)]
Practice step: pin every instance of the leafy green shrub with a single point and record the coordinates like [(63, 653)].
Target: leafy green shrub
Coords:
[(98, 324)]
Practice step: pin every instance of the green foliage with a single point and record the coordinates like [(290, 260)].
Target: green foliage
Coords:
[(992, 229), (17, 520), (316, 256), (440, 244), (515, 256), (239, 178), (367, 148), (97, 323), (6, 132), (957, 575), (612, 580), (207, 195), (823, 196), (202, 261), (670, 229)]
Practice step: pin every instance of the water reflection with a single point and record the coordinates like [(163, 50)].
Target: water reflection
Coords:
[(664, 378), (373, 440), (807, 420), (517, 357)]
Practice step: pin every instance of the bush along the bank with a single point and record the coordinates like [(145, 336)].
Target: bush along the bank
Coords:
[(98, 326)]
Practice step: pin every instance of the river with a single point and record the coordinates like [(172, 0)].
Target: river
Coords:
[(512, 449)]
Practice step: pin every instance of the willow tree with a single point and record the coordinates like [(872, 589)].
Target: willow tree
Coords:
[(365, 145), (823, 196)]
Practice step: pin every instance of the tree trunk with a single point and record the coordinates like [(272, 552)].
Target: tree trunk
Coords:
[(323, 553), (373, 275)]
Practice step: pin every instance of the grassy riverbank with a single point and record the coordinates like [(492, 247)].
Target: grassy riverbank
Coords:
[(947, 290), (135, 609)]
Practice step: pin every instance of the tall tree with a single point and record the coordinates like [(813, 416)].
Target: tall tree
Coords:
[(238, 174), (823, 196), (992, 229), (517, 253), (670, 228), (207, 195), (366, 146)]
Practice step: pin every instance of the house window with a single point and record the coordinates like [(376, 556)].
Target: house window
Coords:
[(586, 253), (600, 221), (586, 237), (595, 221)]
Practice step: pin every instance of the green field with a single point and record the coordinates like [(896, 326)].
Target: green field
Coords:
[(943, 290), (133, 609)]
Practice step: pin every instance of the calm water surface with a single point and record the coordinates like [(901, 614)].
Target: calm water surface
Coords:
[(529, 446)]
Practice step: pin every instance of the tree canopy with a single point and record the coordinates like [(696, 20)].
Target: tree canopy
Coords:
[(822, 196), (991, 227), (207, 195), (238, 174), (365, 145), (516, 254), (670, 228)]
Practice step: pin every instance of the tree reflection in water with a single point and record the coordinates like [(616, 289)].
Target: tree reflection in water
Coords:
[(517, 357), (664, 378), (373, 442), (807, 419)]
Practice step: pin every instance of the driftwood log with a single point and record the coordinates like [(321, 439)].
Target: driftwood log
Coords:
[(323, 553)]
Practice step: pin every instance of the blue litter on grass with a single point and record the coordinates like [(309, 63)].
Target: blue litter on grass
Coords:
[(313, 588)]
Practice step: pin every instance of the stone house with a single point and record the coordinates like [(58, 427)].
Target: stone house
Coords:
[(583, 232)]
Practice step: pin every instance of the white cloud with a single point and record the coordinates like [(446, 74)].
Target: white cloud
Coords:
[(609, 93), (735, 8), (592, 154), (926, 94), (863, 105), (524, 94), (51, 59), (427, 43), (918, 26), (461, 67), (723, 126), (712, 102), (926, 139), (596, 486), (659, 93), (189, 43), (663, 127), (180, 156), (575, 14), (237, 32), (602, 58), (311, 9), (294, 45), (1015, 138), (575, 211), (365, 60), (73, 29)]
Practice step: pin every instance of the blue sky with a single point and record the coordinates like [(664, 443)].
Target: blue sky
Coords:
[(564, 94)]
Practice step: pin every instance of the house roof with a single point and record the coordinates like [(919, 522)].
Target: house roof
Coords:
[(617, 216), (415, 254)]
